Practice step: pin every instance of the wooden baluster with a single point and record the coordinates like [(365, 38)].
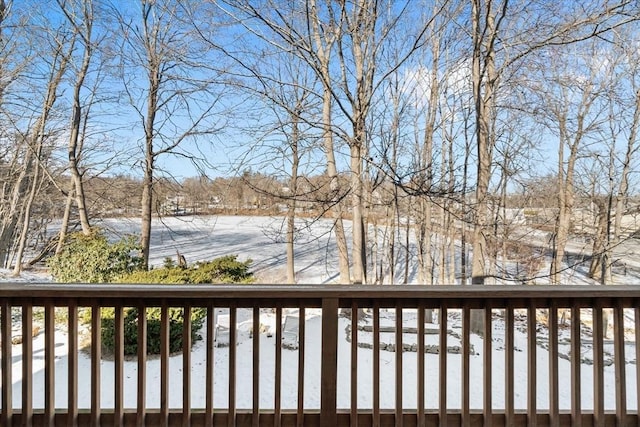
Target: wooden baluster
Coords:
[(119, 366), (233, 312), (553, 364), (421, 421), (637, 365), (278, 370), (443, 353), (72, 372), (354, 363), (376, 364), (576, 360), (466, 350), (27, 365), (620, 363), (532, 367), (208, 411), (164, 364), (186, 366), (256, 367), (96, 358), (6, 417), (598, 366), (142, 365), (301, 353), (509, 365), (488, 368), (399, 327)]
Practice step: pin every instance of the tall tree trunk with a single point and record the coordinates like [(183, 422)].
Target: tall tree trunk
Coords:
[(566, 190), (484, 81), (83, 29), (147, 204), (358, 231), (151, 32), (407, 251), (27, 211), (598, 263), (291, 210), (424, 236), (450, 221), (623, 189), (464, 273), (565, 201), (75, 170), (334, 186), (323, 42), (149, 167), (65, 220)]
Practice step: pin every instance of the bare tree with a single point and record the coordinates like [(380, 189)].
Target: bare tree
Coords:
[(630, 103), (32, 147), (615, 153), (359, 31), (80, 16), (286, 89), (324, 35), (486, 19), (499, 45), (574, 114), (174, 102)]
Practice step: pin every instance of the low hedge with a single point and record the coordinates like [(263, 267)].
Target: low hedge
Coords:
[(226, 269)]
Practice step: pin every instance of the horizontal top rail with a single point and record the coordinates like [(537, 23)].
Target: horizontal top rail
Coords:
[(474, 296)]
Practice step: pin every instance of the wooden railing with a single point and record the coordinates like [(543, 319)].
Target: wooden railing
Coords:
[(543, 358)]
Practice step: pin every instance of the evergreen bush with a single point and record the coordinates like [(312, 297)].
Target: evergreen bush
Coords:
[(93, 259), (226, 269)]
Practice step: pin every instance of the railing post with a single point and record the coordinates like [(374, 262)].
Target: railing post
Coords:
[(50, 363), (96, 358), (329, 367)]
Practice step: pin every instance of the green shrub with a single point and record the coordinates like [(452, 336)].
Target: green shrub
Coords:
[(93, 259), (176, 321), (226, 269)]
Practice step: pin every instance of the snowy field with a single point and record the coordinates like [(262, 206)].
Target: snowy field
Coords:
[(260, 239)]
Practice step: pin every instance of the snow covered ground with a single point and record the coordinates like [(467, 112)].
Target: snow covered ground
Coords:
[(258, 239)]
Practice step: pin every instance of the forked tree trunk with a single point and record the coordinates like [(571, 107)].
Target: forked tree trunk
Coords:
[(323, 42)]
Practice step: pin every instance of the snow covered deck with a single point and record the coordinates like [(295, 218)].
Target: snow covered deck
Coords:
[(545, 356)]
